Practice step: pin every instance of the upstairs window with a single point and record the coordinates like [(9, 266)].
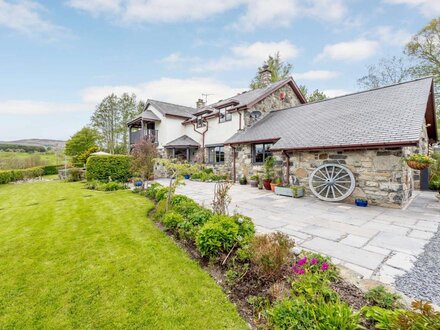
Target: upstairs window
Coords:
[(216, 155), (200, 122), (260, 152), (224, 115)]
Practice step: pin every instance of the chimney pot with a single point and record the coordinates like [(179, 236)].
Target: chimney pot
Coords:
[(265, 75), (200, 103)]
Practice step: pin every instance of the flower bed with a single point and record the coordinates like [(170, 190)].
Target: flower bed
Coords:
[(273, 284)]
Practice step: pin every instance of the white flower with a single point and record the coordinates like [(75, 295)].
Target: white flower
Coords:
[(296, 250)]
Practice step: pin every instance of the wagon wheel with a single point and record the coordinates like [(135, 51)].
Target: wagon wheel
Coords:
[(332, 182)]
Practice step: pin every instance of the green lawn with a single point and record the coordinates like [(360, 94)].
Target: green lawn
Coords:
[(71, 258)]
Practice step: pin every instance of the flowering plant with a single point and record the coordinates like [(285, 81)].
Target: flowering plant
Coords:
[(315, 264), (419, 158)]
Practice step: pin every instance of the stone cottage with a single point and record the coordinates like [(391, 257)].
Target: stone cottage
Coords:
[(367, 132)]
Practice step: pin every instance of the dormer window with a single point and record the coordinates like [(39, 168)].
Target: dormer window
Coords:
[(224, 115)]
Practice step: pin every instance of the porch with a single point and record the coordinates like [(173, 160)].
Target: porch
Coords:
[(183, 148), (143, 127)]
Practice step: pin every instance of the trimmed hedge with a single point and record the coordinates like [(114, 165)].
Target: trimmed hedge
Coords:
[(28, 173), (108, 168)]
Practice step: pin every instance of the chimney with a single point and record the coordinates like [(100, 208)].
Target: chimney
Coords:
[(200, 103), (265, 76)]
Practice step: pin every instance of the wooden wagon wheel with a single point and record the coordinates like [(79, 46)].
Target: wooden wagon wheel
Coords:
[(332, 182)]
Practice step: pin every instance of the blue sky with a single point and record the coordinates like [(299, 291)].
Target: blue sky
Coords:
[(58, 59)]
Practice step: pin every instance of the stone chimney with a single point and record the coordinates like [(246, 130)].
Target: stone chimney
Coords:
[(200, 103), (265, 75)]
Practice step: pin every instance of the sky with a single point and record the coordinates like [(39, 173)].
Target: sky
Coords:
[(60, 58)]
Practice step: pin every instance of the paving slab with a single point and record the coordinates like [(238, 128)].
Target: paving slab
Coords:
[(354, 240), (413, 246)]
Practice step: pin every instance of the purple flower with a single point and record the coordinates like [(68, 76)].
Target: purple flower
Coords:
[(302, 261), (298, 270), (324, 266), (313, 261)]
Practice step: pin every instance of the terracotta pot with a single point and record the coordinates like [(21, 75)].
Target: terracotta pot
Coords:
[(417, 165), (266, 184), (272, 186)]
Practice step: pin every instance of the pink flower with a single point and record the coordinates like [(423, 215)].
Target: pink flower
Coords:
[(302, 261), (298, 270), (313, 261), (324, 266)]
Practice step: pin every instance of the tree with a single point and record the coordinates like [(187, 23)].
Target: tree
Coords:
[(144, 155), (81, 141), (107, 120), (277, 67), (316, 95), (387, 71)]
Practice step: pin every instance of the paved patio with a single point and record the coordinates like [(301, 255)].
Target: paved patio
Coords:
[(378, 243)]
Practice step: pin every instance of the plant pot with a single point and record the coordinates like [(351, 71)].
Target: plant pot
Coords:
[(186, 176), (272, 186), (253, 183), (266, 184), (138, 183), (298, 193), (360, 202), (284, 191), (417, 165)]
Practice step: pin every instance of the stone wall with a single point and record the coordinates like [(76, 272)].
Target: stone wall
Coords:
[(272, 102)]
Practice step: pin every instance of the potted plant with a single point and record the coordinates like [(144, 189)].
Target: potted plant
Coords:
[(297, 191), (418, 161), (269, 165), (260, 185), (137, 182), (275, 183), (283, 191), (243, 180), (362, 202), (254, 180), (186, 176)]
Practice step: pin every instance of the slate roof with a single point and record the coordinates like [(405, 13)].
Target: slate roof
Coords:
[(166, 108), (391, 115), (249, 97), (182, 141), (147, 115)]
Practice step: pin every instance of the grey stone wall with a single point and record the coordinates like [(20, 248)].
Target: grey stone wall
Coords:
[(272, 102)]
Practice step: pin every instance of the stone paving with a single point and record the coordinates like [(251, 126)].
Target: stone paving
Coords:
[(377, 243)]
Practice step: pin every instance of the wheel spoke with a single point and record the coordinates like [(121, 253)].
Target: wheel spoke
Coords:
[(340, 192), (326, 194), (333, 172), (333, 192), (338, 173), (322, 190), (342, 176), (323, 174), (319, 177), (344, 187)]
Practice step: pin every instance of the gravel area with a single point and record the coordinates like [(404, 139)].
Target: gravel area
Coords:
[(423, 280)]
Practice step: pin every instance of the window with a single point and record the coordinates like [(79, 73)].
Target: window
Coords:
[(260, 152), (224, 115), (200, 122), (216, 155)]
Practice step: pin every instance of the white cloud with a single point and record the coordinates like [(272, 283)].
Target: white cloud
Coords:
[(336, 92), (245, 55), (316, 75), (25, 17), (31, 107), (358, 49), (391, 36), (429, 8), (256, 12), (179, 91)]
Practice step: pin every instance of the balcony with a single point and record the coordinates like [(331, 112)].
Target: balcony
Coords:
[(147, 134)]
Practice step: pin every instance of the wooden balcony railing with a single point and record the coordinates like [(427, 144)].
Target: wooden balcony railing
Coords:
[(148, 134)]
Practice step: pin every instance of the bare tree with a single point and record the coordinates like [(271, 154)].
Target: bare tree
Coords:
[(144, 154)]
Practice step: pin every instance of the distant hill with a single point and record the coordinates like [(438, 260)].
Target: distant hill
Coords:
[(56, 144)]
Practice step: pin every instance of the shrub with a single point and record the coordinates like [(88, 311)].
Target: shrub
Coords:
[(313, 287), (422, 316), (270, 254), (150, 192), (193, 221), (208, 170), (160, 210), (51, 169), (172, 220), (16, 175), (161, 194), (108, 168), (179, 199), (217, 235), (74, 174), (187, 207), (298, 313), (314, 263), (381, 297), (246, 228)]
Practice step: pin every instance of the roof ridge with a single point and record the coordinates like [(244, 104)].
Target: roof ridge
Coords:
[(184, 106), (354, 93)]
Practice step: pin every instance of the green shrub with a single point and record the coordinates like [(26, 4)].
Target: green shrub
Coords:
[(208, 170), (179, 199), (313, 287), (196, 176), (74, 174), (314, 263), (193, 222), (246, 228), (16, 175), (150, 192), (51, 169), (160, 210), (217, 235), (186, 208), (108, 168), (299, 313), (422, 316), (381, 297), (270, 254), (161, 194), (172, 220)]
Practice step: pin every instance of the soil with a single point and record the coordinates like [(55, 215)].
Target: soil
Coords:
[(249, 284)]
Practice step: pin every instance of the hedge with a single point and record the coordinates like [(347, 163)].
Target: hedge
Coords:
[(27, 173), (106, 168)]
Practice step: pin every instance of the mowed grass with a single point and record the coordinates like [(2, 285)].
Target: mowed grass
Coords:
[(71, 258)]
